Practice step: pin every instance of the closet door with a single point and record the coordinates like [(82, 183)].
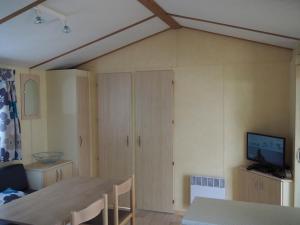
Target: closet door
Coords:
[(83, 121), (271, 191), (154, 138), (297, 135), (115, 148)]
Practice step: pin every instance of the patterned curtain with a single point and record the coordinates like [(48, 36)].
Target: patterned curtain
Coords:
[(10, 130)]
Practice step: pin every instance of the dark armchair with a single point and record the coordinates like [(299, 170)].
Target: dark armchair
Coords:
[(14, 176)]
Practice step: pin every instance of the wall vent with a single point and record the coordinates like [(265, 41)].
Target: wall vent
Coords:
[(207, 187)]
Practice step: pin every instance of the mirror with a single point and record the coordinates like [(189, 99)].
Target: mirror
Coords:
[(30, 96)]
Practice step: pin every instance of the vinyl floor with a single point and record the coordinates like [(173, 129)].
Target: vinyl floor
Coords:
[(155, 218)]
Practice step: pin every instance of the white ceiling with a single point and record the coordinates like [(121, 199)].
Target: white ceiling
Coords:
[(275, 16), (24, 43), (10, 6), (234, 32), (133, 34)]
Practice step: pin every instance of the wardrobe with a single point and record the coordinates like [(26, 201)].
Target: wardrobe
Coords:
[(68, 117), (135, 125)]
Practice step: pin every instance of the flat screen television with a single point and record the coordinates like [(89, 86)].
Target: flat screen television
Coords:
[(266, 150)]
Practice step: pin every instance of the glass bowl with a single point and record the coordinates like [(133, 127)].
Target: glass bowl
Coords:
[(47, 157)]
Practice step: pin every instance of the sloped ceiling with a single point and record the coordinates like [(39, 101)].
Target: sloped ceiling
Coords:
[(279, 17), (98, 26), (10, 6), (24, 43)]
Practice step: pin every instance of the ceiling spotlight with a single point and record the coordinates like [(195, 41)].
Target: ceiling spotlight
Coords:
[(38, 19), (66, 29)]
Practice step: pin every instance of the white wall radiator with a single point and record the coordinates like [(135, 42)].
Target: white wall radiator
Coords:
[(207, 187)]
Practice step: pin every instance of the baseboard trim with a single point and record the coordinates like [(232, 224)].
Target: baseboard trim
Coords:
[(180, 212)]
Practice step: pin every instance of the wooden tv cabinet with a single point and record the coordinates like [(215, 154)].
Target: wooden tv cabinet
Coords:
[(42, 175), (254, 186)]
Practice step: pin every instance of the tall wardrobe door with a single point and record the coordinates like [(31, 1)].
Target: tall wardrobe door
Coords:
[(115, 147), (297, 136), (83, 126), (154, 133)]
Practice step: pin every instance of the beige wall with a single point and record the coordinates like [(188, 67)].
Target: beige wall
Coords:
[(223, 88), (34, 132)]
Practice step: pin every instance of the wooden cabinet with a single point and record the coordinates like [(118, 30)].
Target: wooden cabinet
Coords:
[(42, 175), (83, 126), (136, 133), (69, 118), (240, 183), (253, 186), (115, 145), (296, 121), (154, 135)]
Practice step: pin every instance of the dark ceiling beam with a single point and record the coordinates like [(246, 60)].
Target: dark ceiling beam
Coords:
[(161, 13), (20, 11), (92, 42), (233, 26), (132, 43)]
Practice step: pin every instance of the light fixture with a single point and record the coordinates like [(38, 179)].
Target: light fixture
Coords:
[(38, 19), (46, 10), (66, 29)]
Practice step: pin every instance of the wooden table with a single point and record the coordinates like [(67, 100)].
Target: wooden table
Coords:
[(52, 205), (204, 211)]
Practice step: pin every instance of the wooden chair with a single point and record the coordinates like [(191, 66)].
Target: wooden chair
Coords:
[(91, 212), (121, 216)]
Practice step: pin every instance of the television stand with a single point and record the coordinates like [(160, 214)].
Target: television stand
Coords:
[(262, 168), (254, 186)]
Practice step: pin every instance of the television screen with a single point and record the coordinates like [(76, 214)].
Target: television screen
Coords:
[(266, 149)]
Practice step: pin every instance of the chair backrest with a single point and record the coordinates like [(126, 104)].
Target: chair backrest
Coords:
[(123, 188), (91, 212)]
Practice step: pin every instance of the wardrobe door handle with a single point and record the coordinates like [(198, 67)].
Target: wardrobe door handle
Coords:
[(298, 155), (57, 175), (127, 141), (80, 141), (139, 141)]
